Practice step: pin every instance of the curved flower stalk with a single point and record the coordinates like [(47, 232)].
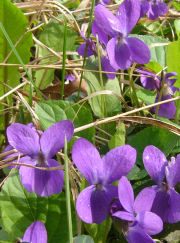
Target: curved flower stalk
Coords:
[(161, 199), (138, 224), (39, 151), (92, 50), (121, 49), (152, 81), (35, 233), (154, 8), (93, 202)]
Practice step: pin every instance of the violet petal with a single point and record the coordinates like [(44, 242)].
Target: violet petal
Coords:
[(171, 74), (88, 160), (106, 21), (173, 172), (53, 139), (150, 222), (153, 12), (81, 50), (139, 51), (119, 54), (174, 210), (167, 110), (35, 233), (126, 194), (8, 148), (118, 162), (137, 235), (24, 139), (106, 66), (128, 14), (149, 80), (26, 173), (155, 162), (92, 204), (125, 216), (43, 183), (144, 8), (162, 7), (161, 204), (144, 200), (103, 38)]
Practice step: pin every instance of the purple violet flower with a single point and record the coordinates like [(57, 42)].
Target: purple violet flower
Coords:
[(144, 8), (93, 202), (121, 49), (138, 224), (156, 8), (152, 81), (35, 233), (70, 77), (39, 150), (161, 199), (91, 50)]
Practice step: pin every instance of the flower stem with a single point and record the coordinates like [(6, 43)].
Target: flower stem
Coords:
[(64, 59), (103, 103), (160, 93), (88, 35), (68, 200)]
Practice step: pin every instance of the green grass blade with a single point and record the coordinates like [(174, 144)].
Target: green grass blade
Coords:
[(19, 58)]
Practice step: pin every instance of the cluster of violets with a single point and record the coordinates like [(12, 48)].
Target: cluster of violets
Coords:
[(140, 218), (153, 8), (118, 50)]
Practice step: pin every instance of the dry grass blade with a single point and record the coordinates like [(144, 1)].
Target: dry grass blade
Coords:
[(117, 117), (152, 121)]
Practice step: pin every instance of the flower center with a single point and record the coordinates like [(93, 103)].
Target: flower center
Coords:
[(165, 187), (41, 161), (99, 186)]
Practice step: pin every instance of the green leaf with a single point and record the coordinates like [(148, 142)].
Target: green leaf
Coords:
[(119, 137), (4, 237), (147, 96), (52, 36), (162, 139), (19, 209), (177, 27), (83, 239), (15, 24), (155, 66), (176, 5), (52, 111), (99, 232), (113, 104), (173, 57), (49, 114), (136, 173), (158, 53)]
